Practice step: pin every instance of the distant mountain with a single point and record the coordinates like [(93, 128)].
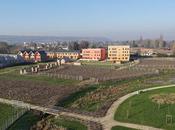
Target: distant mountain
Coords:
[(21, 39)]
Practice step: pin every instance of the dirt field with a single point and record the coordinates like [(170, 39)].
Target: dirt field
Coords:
[(34, 92), (157, 63), (100, 74)]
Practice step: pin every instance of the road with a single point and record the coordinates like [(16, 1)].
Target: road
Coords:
[(107, 121)]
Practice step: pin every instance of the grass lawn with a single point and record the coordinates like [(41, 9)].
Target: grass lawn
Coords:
[(6, 112), (140, 109), (100, 63), (13, 73), (70, 125), (25, 122), (121, 128), (39, 78)]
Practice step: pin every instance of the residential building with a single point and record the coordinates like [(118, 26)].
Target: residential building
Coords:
[(40, 56), (163, 52), (94, 54), (51, 55), (33, 56), (64, 54), (142, 51), (119, 53), (146, 51)]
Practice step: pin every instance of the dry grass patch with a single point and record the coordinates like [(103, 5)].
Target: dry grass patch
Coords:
[(163, 98)]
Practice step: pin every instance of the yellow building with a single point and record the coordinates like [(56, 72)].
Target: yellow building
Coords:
[(63, 54), (119, 53)]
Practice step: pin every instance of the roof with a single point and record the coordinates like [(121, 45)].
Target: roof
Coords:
[(93, 49), (118, 45), (34, 51), (63, 51), (41, 52)]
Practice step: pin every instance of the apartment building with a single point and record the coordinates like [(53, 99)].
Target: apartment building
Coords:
[(118, 53), (64, 54), (94, 54)]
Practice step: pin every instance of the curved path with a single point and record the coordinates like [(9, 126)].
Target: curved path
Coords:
[(111, 111), (107, 121)]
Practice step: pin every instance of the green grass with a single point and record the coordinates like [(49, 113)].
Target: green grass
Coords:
[(73, 97), (100, 63), (121, 128), (140, 109), (39, 78), (25, 122), (69, 124), (13, 74), (82, 100), (6, 112)]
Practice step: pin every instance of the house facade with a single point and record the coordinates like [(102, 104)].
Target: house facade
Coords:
[(64, 54), (33, 56), (146, 51), (94, 54), (119, 53)]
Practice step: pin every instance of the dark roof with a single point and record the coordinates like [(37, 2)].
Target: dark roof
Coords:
[(41, 52), (26, 51), (62, 50), (34, 51)]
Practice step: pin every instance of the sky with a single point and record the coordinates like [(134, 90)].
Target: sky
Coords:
[(114, 19)]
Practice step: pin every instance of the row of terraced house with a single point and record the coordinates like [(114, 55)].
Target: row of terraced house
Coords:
[(33, 56), (114, 53), (117, 53)]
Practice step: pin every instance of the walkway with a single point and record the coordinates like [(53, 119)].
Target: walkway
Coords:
[(107, 121)]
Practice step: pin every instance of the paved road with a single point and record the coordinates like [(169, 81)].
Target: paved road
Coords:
[(107, 121)]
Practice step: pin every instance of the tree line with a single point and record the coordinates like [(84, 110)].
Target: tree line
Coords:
[(5, 48)]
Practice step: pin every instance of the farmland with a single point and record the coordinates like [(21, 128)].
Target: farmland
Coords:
[(93, 98), (159, 63), (103, 94), (34, 92), (97, 73), (47, 88), (40, 90)]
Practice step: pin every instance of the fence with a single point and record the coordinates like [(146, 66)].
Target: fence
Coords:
[(16, 115), (62, 76)]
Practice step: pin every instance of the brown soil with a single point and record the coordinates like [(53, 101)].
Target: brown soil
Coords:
[(34, 92), (164, 98)]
